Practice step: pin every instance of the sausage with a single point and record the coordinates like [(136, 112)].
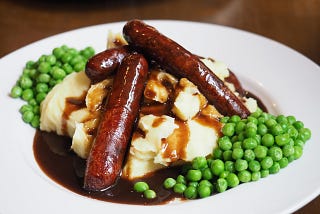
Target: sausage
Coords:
[(114, 132), (179, 61), (103, 64)]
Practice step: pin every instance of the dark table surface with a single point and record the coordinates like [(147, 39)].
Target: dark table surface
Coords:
[(295, 23)]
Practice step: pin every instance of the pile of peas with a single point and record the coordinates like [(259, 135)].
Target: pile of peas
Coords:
[(40, 76), (249, 149)]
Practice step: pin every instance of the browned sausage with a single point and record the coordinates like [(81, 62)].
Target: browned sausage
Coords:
[(174, 58), (114, 132), (103, 64)]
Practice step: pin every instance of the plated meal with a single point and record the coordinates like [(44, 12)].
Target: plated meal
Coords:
[(146, 108), (147, 121)]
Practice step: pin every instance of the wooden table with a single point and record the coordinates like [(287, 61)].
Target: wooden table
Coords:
[(296, 23)]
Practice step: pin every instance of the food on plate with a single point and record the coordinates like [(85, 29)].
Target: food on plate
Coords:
[(115, 128), (149, 118), (174, 58)]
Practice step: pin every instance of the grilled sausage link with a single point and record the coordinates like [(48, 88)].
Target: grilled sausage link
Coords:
[(114, 132), (174, 58), (103, 64)]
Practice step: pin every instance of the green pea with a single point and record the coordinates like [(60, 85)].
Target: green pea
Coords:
[(254, 166), (227, 155), (207, 174), (249, 143), (194, 175), (276, 129), (244, 176), (181, 179), (282, 139), (206, 183), (217, 167), (27, 116), (225, 143), (283, 162), (275, 153), (44, 67), (204, 191), (217, 153), (66, 57), (267, 140), (140, 186), (221, 185), (51, 59), (27, 94), (40, 97), (76, 59), (88, 52), (35, 122), (224, 119), (298, 142), (266, 162), (237, 153), (237, 145), (291, 119), (292, 132), (275, 168), (262, 129), (240, 165), (58, 74), (249, 155), (169, 183), (229, 166), (264, 173), (58, 52), (36, 110), (43, 78), (16, 91), (250, 131), (25, 108), (42, 87), (260, 151), (298, 125), (228, 129), (67, 68), (304, 134), (240, 126), (270, 122), (235, 118), (179, 188), (287, 150), (199, 163), (149, 194), (33, 102), (232, 180), (298, 150), (80, 66), (25, 82), (224, 174), (42, 58), (193, 183), (190, 192), (255, 176), (30, 64)]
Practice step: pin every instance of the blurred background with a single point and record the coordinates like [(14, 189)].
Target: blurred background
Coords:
[(295, 23)]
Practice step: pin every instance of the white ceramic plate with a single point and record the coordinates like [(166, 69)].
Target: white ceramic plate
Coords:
[(286, 81)]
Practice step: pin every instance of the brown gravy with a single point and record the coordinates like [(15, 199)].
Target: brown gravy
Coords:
[(52, 153)]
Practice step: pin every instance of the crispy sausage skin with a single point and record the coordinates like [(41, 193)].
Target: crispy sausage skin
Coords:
[(174, 58), (114, 132), (103, 64)]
